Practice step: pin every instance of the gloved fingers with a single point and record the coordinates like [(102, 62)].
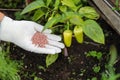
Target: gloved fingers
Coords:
[(57, 50), (47, 31), (56, 44), (53, 37), (39, 28), (37, 49), (48, 49)]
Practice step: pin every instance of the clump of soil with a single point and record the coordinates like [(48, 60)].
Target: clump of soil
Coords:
[(39, 39)]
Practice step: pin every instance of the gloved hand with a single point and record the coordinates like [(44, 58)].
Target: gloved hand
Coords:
[(21, 32)]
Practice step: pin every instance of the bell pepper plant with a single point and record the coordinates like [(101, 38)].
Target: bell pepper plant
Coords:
[(78, 32)]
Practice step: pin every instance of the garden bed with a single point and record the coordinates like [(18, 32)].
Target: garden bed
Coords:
[(75, 66)]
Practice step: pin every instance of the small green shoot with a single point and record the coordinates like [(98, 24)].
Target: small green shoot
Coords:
[(94, 78), (110, 70), (8, 68), (116, 5), (94, 54), (42, 68), (96, 69), (36, 78)]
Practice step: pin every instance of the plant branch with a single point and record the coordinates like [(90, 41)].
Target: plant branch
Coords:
[(1, 9)]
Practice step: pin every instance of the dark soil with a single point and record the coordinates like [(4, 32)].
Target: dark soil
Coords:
[(75, 66)]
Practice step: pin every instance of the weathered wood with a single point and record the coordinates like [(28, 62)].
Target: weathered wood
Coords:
[(107, 14)]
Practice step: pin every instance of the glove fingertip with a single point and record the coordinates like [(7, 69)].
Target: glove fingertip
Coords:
[(47, 31), (54, 37)]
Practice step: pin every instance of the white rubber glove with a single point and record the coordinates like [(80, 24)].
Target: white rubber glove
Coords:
[(21, 32)]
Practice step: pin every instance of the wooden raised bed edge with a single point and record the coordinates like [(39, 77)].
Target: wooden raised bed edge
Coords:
[(107, 14)]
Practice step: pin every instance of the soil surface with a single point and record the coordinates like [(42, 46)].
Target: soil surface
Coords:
[(75, 66)]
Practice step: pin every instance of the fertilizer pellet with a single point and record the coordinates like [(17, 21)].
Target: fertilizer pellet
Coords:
[(39, 39)]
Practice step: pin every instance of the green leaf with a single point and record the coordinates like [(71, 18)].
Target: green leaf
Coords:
[(51, 58), (89, 12), (104, 76), (48, 2), (94, 31), (70, 4), (96, 54), (8, 68), (77, 20), (38, 14), (36, 78), (99, 55), (56, 5), (42, 68), (63, 8), (76, 1), (113, 55), (68, 15), (94, 78), (51, 22), (32, 6), (96, 69), (18, 16)]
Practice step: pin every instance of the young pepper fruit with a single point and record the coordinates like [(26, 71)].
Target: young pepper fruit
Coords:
[(67, 35), (78, 32)]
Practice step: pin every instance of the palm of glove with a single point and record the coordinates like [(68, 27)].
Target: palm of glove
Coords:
[(21, 33)]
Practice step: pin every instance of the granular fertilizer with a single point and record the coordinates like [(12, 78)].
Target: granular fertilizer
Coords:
[(39, 39)]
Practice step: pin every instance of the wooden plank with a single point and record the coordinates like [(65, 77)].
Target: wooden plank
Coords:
[(107, 13)]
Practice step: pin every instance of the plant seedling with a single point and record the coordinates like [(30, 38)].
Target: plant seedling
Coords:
[(110, 74), (95, 54)]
